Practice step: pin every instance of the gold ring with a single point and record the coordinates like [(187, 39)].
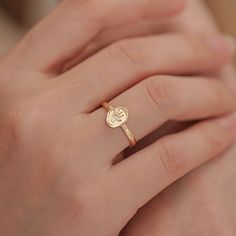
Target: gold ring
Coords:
[(118, 117)]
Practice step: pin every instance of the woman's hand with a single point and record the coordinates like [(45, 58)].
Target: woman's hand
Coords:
[(57, 155), (205, 199), (202, 203), (75, 23)]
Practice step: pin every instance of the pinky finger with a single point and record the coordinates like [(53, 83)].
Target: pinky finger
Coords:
[(145, 174)]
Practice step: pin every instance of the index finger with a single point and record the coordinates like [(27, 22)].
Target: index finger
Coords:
[(74, 23)]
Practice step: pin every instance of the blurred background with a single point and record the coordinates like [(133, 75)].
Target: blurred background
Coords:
[(17, 16)]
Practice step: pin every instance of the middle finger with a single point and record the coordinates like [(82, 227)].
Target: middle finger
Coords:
[(115, 69)]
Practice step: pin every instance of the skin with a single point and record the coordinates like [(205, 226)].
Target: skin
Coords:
[(203, 187), (47, 132), (205, 199)]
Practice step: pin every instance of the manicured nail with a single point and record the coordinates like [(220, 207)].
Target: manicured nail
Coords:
[(229, 123), (222, 44)]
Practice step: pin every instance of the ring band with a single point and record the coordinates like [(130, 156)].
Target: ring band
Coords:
[(118, 117)]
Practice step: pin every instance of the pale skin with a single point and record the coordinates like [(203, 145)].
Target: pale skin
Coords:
[(205, 199), (57, 153)]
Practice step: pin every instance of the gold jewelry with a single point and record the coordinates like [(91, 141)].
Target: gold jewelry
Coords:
[(118, 117)]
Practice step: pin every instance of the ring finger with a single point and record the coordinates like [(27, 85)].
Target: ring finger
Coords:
[(158, 99)]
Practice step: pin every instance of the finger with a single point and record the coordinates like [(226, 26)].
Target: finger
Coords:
[(74, 23), (158, 99), (118, 67), (141, 177), (143, 27)]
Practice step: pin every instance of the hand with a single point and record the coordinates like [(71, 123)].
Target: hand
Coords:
[(147, 18), (57, 173), (86, 20), (202, 203), (205, 199)]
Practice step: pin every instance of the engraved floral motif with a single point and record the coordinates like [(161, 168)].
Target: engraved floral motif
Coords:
[(117, 117)]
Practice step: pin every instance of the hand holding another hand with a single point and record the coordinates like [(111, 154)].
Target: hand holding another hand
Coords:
[(58, 174)]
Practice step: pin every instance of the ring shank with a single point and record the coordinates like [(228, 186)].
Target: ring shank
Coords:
[(129, 135), (108, 106)]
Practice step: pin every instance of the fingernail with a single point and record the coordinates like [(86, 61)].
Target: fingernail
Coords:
[(229, 123), (222, 44)]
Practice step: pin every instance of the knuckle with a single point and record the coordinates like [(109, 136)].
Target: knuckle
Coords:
[(14, 126), (124, 56), (169, 157), (161, 92), (213, 142), (75, 206), (19, 125)]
